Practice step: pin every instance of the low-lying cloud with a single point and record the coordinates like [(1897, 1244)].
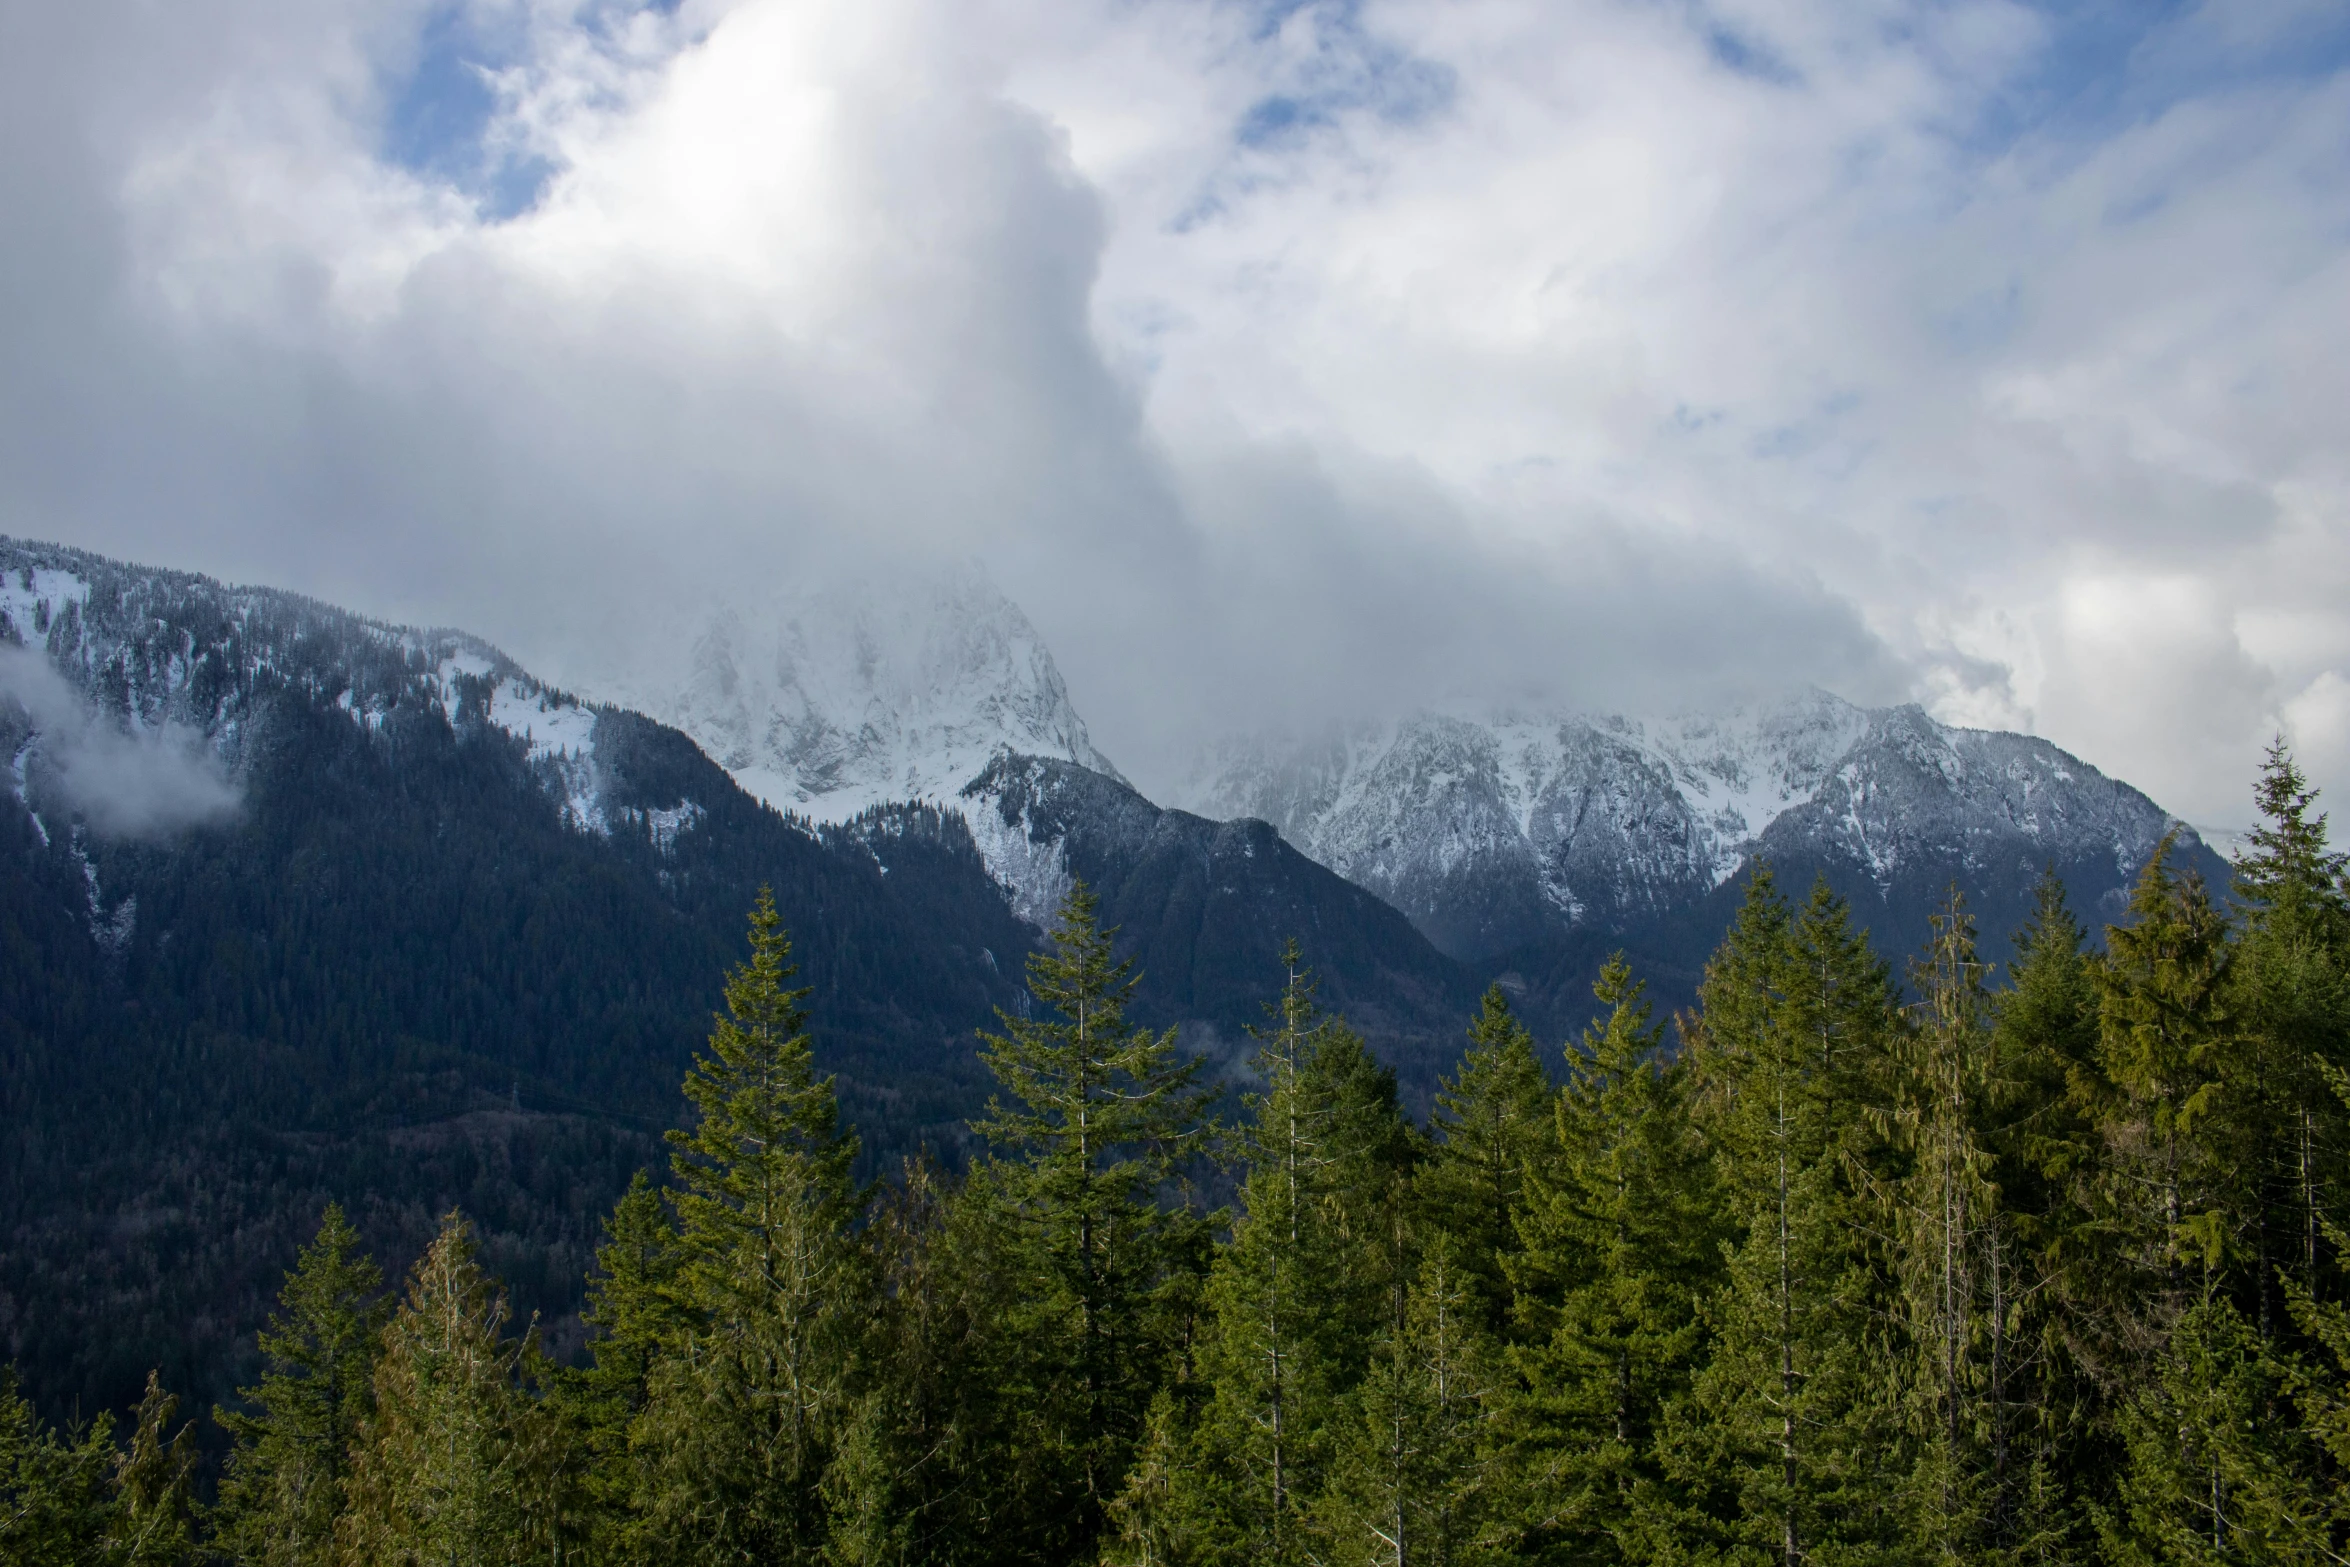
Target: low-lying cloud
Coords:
[(122, 783), (1283, 360)]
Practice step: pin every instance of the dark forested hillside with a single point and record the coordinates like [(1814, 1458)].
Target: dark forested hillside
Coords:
[(366, 934)]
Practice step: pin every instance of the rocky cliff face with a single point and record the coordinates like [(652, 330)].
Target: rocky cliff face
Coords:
[(880, 692), (1498, 832)]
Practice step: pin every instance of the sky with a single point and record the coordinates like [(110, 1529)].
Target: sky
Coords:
[(1284, 360)]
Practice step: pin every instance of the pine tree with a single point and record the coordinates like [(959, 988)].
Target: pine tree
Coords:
[(1787, 1430), (632, 1311), (1622, 1232), (54, 1497), (436, 1476), (746, 1397), (1098, 1121), (1492, 1124), (1298, 1296), (282, 1486)]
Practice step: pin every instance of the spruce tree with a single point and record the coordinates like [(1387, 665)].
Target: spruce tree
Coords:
[(746, 1396), (1416, 1474), (436, 1476), (54, 1496), (1094, 1122), (1622, 1229), (282, 1484), (1492, 1125)]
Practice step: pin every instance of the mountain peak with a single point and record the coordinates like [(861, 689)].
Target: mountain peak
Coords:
[(827, 704)]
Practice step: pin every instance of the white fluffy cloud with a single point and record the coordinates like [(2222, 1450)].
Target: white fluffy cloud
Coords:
[(1280, 358)]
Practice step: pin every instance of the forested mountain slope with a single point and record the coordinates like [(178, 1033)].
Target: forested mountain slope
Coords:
[(294, 905)]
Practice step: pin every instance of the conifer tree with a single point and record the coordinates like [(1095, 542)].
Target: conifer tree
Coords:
[(1298, 1295), (632, 1311), (1788, 1426), (154, 1504), (436, 1476), (54, 1496), (932, 1467), (746, 1397), (1622, 1231), (2217, 1467), (283, 1482), (2291, 988), (1958, 1263), (1492, 1125), (2164, 1045), (1416, 1473), (2051, 1156), (1095, 1122)]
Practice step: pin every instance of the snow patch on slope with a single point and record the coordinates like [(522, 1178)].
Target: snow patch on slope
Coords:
[(827, 706)]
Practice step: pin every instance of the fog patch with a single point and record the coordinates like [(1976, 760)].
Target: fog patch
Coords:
[(122, 782)]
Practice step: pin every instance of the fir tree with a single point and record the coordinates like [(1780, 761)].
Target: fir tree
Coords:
[(1622, 1235), (2163, 1045), (2291, 989), (1096, 1122), (54, 1496), (1955, 1256), (1787, 1429), (1492, 1125), (632, 1311), (745, 1400), (1297, 1297), (1416, 1474), (436, 1476), (283, 1483)]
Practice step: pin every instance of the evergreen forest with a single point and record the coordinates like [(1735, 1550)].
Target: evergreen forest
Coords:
[(1954, 1255)]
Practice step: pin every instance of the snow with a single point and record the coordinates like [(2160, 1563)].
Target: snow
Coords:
[(1035, 876), (829, 705), (22, 601)]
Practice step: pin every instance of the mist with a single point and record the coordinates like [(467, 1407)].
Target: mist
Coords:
[(123, 784)]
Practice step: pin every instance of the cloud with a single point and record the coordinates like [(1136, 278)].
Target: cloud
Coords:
[(1281, 359), (125, 784)]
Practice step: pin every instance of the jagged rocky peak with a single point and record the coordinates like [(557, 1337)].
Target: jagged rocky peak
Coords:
[(1497, 829), (829, 703)]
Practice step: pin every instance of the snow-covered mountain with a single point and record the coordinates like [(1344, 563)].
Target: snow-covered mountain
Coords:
[(830, 704), (1496, 831)]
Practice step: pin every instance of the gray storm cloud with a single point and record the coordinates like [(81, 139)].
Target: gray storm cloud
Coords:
[(124, 784), (1531, 353)]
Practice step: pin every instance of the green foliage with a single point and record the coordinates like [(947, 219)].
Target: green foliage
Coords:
[(2046, 1273), (54, 1501), (1492, 1127), (283, 1484), (1623, 1228), (439, 1473), (1789, 1429), (746, 1389), (1095, 1122), (1300, 1294)]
